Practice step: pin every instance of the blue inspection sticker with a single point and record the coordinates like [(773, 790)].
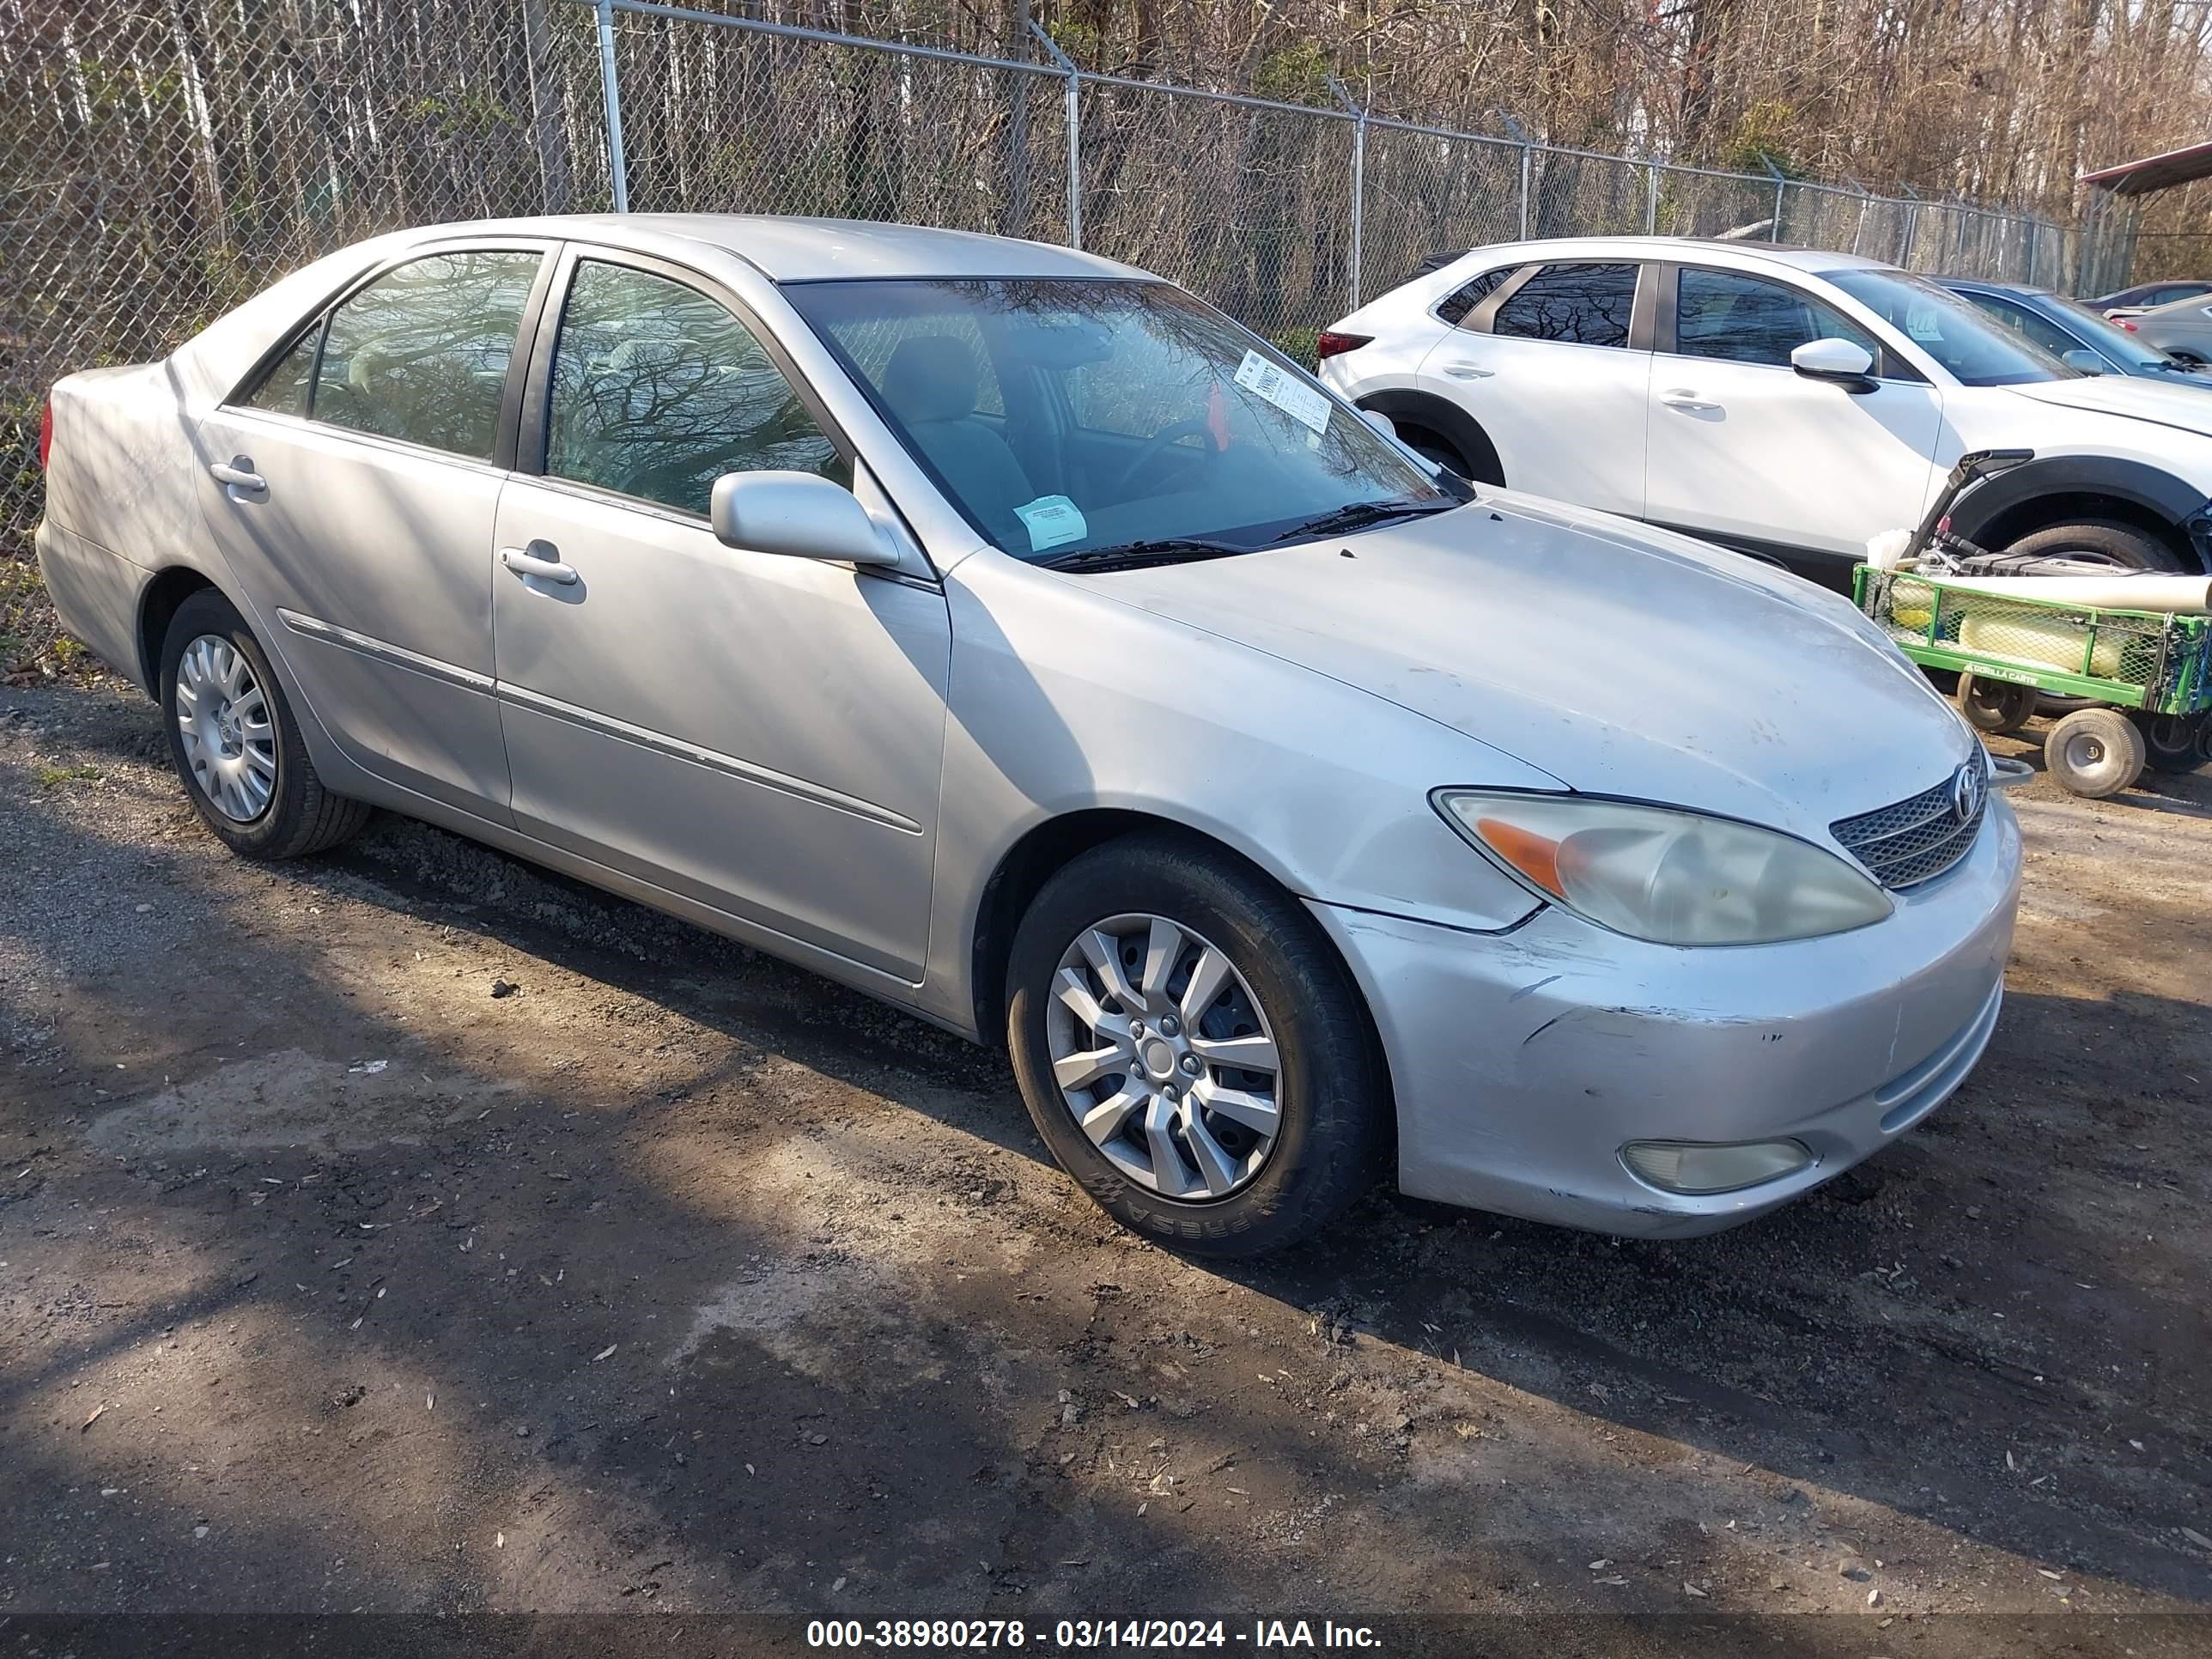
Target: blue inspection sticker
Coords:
[(1052, 519)]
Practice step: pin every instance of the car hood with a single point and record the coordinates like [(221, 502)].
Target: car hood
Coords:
[(2176, 403), (1621, 660)]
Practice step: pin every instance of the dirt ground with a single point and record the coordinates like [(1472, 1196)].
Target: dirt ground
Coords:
[(333, 1277)]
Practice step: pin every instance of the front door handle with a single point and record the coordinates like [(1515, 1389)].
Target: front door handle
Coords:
[(237, 473), (532, 561), (1465, 371), (1688, 402)]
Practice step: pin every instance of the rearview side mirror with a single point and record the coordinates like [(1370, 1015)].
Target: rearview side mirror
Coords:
[(799, 516), (2085, 360), (1838, 362)]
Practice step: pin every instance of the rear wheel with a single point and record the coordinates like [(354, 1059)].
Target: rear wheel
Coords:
[(1191, 1048), (2094, 752), (2099, 541), (1994, 706), (2170, 741), (234, 743)]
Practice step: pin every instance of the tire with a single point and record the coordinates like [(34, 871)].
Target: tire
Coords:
[(1995, 707), (2100, 539), (2170, 741), (287, 812), (1329, 1092), (2094, 752)]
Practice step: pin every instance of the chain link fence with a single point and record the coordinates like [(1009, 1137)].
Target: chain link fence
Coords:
[(161, 160)]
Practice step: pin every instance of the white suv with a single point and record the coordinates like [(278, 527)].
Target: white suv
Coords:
[(1784, 402)]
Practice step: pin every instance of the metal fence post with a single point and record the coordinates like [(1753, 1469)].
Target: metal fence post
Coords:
[(1358, 180), (1066, 66), (617, 168), (1650, 199), (1781, 183), (1522, 138)]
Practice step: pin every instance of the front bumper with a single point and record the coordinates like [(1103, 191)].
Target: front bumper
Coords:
[(1522, 1062)]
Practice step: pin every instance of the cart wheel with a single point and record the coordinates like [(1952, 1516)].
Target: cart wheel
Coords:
[(2172, 743), (1994, 707), (2094, 752), (2204, 739)]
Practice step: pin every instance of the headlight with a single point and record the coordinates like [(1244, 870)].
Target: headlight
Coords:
[(1653, 873)]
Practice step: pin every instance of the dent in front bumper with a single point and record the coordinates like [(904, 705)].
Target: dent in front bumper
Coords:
[(1523, 1061)]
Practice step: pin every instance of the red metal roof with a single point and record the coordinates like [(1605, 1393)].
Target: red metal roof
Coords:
[(2175, 166)]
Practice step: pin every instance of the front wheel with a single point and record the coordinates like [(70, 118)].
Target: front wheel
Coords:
[(2099, 541), (234, 743), (1191, 1048), (2094, 752)]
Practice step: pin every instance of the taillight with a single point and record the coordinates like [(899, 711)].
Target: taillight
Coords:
[(2127, 323), (46, 434), (1329, 343)]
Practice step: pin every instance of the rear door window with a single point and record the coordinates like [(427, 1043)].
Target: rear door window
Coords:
[(1578, 304), (422, 353)]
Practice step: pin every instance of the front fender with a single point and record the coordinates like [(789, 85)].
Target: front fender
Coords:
[(1986, 515), (1065, 699)]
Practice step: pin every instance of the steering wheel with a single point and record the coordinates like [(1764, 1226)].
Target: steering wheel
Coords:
[(1158, 444)]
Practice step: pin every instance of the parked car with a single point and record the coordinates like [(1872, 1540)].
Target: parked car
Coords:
[(2073, 332), (2182, 330), (2148, 297), (1787, 402), (1004, 633)]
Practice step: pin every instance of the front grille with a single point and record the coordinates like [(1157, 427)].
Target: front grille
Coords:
[(1922, 835)]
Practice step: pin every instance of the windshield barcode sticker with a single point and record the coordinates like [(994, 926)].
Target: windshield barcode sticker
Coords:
[(1052, 519), (1286, 392)]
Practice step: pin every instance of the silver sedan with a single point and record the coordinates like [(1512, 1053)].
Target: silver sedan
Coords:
[(1002, 631)]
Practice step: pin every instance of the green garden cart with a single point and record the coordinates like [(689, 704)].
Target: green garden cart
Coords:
[(2143, 679)]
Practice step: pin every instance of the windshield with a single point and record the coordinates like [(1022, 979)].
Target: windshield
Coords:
[(1067, 415), (1976, 349), (2109, 338)]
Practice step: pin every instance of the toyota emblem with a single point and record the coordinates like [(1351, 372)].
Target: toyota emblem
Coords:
[(1966, 793)]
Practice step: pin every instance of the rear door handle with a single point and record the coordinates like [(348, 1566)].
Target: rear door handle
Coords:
[(237, 473), (1688, 402), (532, 562), (1465, 371)]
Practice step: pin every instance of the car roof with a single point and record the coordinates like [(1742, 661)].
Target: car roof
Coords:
[(1686, 248), (795, 250)]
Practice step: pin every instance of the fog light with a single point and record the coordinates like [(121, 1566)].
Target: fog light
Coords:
[(1697, 1171)]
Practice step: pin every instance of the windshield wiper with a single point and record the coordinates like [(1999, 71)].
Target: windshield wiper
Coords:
[(1135, 555), (1360, 516)]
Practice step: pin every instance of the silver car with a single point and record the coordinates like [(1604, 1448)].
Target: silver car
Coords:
[(1001, 631)]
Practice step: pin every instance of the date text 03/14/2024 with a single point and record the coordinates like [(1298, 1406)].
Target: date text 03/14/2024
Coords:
[(1077, 1635)]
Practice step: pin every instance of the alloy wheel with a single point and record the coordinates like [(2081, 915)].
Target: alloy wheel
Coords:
[(229, 741), (1164, 1057)]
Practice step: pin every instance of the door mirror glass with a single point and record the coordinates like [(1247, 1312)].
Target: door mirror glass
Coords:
[(1833, 360), (2085, 360), (1382, 423), (801, 515)]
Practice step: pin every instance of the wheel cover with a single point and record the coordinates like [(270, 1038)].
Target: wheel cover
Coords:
[(229, 740), (2085, 751), (1164, 1057)]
